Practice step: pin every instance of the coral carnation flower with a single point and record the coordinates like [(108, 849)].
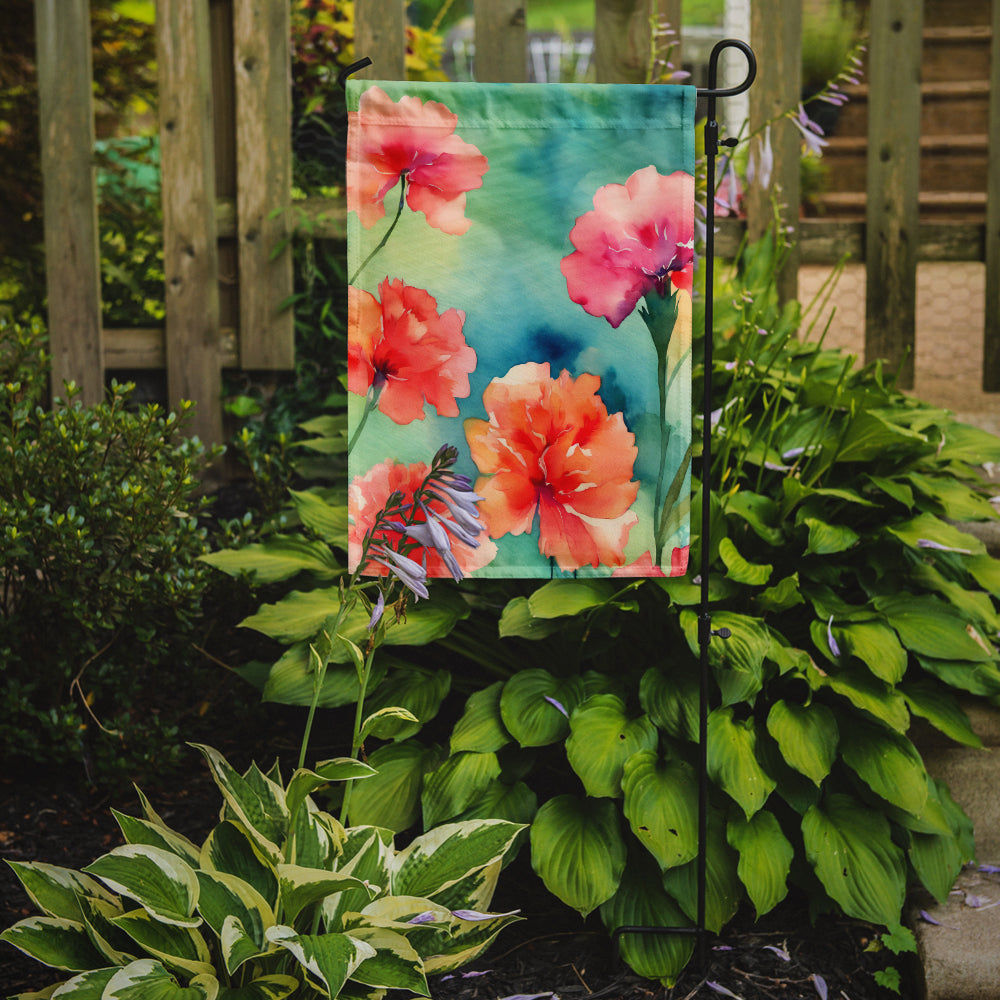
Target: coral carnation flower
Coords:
[(410, 354), (416, 141), (550, 445), (638, 238), (366, 498)]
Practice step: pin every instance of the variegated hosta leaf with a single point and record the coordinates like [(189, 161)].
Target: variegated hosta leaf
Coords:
[(116, 947), (468, 939), (807, 736), (301, 887), (149, 980), (315, 838), (225, 897), (56, 891), (328, 959), (395, 964), (602, 737), (158, 880), (578, 851), (456, 784), (642, 902), (850, 847), (481, 727), (765, 858), (367, 853), (55, 941), (141, 831), (535, 706), (256, 801), (304, 782), (661, 799), (888, 763), (391, 799), (723, 889), (441, 857), (732, 760), (86, 986), (177, 947), (274, 987), (230, 849), (476, 890)]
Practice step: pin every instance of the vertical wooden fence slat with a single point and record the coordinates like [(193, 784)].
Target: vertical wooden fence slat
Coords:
[(621, 40), (991, 332), (261, 57), (893, 183), (380, 34), (501, 41), (190, 254), (776, 35), (72, 257)]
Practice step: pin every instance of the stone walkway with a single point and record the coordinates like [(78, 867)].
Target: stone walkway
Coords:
[(950, 314)]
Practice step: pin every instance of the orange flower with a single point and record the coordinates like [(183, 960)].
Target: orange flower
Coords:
[(367, 497), (407, 351), (414, 141), (550, 445)]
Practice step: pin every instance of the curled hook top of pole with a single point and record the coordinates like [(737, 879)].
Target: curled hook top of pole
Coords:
[(348, 70), (713, 69)]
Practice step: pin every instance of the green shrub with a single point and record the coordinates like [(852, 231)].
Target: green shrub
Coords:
[(99, 541)]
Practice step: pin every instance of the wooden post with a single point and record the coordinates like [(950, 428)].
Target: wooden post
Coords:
[(261, 57), (380, 34), (623, 37), (893, 183), (501, 41), (991, 333), (72, 256), (776, 34), (190, 254)]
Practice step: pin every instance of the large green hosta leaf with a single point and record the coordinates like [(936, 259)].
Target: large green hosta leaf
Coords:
[(941, 709), (559, 598), (807, 736), (641, 901), (416, 689), (535, 706), (391, 798), (888, 763), (732, 760), (876, 646), (738, 661), (661, 806), (456, 785), (278, 558), (927, 528), (765, 858), (578, 851), (601, 740), (932, 628), (671, 699), (481, 727), (850, 848)]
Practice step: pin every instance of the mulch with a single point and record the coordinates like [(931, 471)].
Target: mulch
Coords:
[(552, 952)]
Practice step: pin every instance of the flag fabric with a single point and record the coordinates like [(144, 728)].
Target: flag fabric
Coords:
[(520, 261)]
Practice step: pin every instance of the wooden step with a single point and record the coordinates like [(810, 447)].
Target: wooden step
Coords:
[(947, 162), (958, 206), (956, 53)]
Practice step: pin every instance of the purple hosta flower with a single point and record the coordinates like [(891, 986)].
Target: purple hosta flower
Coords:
[(466, 975), (927, 918), (427, 917), (820, 983), (411, 574), (760, 165), (475, 915), (990, 869), (431, 535), (719, 988), (831, 642), (780, 952), (927, 543), (531, 996), (727, 198), (812, 134), (377, 612), (558, 705)]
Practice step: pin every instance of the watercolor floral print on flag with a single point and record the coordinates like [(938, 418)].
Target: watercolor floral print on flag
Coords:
[(521, 261)]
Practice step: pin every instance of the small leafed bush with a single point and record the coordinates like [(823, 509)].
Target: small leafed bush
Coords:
[(99, 578), (280, 899)]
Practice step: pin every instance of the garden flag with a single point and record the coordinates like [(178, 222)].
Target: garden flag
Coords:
[(520, 263)]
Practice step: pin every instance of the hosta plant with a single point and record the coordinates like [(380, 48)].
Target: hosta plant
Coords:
[(279, 900)]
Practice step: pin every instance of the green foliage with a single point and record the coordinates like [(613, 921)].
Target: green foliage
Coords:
[(280, 899), (854, 603), (101, 587)]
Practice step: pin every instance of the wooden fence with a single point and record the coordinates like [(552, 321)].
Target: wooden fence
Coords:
[(226, 161)]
